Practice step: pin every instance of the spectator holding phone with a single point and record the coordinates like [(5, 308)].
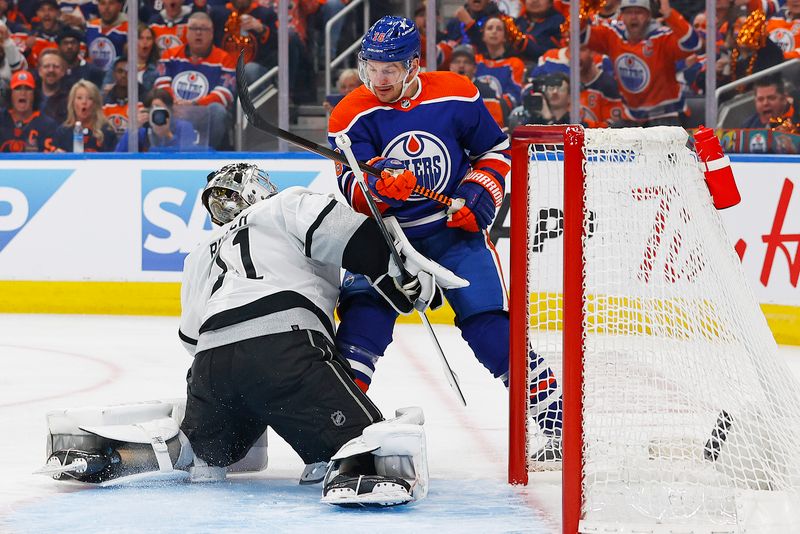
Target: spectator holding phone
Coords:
[(160, 131)]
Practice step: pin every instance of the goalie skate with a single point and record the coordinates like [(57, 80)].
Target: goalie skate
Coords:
[(78, 465), (548, 457), (367, 491)]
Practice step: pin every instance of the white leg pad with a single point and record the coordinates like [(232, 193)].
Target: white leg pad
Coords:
[(92, 427), (398, 446)]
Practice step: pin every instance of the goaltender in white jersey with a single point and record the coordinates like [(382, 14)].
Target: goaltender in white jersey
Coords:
[(257, 315), (274, 268)]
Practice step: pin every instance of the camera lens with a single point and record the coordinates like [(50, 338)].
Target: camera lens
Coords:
[(159, 116)]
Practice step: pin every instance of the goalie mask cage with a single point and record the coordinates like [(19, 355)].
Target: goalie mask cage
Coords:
[(679, 415)]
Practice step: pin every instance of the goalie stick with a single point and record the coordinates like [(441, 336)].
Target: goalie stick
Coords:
[(344, 143), (261, 124)]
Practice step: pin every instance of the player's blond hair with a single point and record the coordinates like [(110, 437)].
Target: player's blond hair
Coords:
[(98, 118)]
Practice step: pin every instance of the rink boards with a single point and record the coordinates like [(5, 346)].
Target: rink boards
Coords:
[(108, 234)]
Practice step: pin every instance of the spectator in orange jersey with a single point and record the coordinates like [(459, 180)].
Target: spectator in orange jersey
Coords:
[(496, 66), (115, 97), (601, 103), (44, 34), (169, 24), (784, 29), (202, 76), (463, 62), (644, 53), (54, 91), (86, 107), (22, 129)]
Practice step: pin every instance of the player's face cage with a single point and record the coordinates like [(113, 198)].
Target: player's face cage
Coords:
[(234, 188)]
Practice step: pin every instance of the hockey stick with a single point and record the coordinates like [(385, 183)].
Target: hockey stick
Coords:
[(261, 124), (344, 143)]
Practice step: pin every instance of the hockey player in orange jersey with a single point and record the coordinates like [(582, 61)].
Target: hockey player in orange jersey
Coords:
[(644, 53)]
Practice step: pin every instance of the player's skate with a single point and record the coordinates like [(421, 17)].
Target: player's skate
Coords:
[(366, 490), (85, 466), (548, 457), (313, 473)]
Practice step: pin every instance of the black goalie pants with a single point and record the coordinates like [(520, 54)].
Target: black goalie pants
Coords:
[(295, 382)]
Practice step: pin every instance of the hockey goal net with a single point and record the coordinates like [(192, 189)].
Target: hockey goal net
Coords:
[(678, 413)]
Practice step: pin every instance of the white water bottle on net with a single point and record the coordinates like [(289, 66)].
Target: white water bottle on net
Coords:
[(678, 414)]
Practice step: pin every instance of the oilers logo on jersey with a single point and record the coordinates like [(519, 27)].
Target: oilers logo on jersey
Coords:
[(632, 73), (168, 40), (425, 155), (783, 38), (102, 52), (190, 85), (119, 122)]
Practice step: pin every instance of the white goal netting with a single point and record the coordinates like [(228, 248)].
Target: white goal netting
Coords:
[(690, 417)]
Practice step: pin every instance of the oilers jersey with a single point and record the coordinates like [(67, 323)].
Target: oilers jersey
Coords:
[(504, 75), (170, 32), (784, 30), (440, 133), (35, 134), (105, 45), (201, 80), (645, 70), (601, 103)]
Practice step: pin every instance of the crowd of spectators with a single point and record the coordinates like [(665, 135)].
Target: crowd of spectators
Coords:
[(66, 61), (640, 59), (72, 56)]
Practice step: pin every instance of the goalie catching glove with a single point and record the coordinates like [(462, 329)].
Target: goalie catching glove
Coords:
[(395, 184), (482, 194)]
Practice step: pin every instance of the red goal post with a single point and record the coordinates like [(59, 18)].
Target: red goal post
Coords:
[(572, 138), (678, 411)]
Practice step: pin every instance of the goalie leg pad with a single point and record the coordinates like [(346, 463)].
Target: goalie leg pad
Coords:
[(130, 443), (398, 452)]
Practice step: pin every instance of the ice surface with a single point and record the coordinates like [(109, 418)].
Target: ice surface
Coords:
[(59, 361)]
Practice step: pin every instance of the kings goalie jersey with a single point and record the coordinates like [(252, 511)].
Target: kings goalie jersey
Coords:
[(274, 268), (441, 132)]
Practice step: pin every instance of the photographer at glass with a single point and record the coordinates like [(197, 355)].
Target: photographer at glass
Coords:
[(544, 101), (160, 131)]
